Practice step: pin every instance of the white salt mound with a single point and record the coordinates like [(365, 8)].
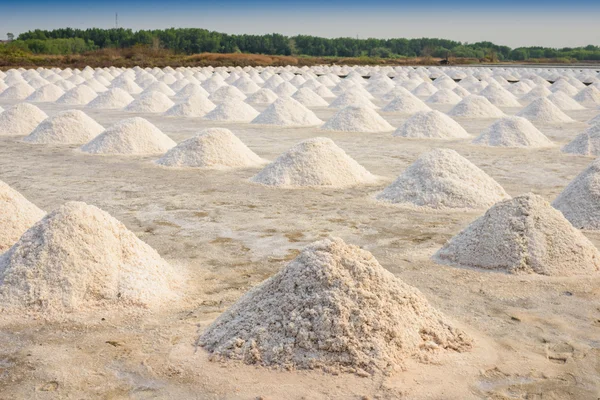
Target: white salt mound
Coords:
[(20, 119), (319, 311), (150, 102), (499, 96), (308, 98), (357, 119), (262, 96), (286, 111), (232, 111), (431, 125), (67, 127), (351, 98), (474, 106), (78, 257), (564, 102), (18, 91), (79, 95), (49, 92), (513, 132), (522, 235), (406, 103), (196, 105), (111, 100), (587, 143), (226, 93), (133, 136), (17, 215), (544, 111), (589, 96), (314, 162), (580, 200), (444, 96), (443, 179), (213, 148)]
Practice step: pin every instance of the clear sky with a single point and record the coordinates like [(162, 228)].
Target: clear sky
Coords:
[(511, 22)]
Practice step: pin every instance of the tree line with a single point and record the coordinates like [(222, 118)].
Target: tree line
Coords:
[(195, 40)]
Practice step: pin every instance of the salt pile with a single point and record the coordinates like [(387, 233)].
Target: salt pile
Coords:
[(133, 136), (17, 215), (595, 120), (79, 95), (319, 312), (431, 125), (287, 112), (580, 200), (351, 98), (213, 148), (587, 143), (232, 111), (499, 96), (225, 94), (160, 87), (443, 179), (20, 119), (564, 102), (18, 91), (110, 100), (474, 106), (535, 93), (46, 93), (589, 97), (513, 132), (308, 98), (406, 103), (192, 89), (522, 235), (150, 102), (314, 162), (285, 89), (78, 257), (67, 127), (425, 89), (543, 110), (357, 119), (444, 96), (196, 105), (262, 96)]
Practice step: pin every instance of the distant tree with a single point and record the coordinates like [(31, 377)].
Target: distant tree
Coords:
[(10, 36)]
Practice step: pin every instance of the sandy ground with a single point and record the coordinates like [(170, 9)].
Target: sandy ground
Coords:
[(536, 337)]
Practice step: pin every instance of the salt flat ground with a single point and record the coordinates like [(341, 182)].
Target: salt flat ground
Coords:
[(536, 337)]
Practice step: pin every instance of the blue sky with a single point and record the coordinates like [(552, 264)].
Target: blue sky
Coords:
[(510, 22)]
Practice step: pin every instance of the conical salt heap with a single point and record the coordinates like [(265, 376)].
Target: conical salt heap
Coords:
[(474, 106), (499, 96), (564, 102), (406, 103), (333, 307), (587, 143), (79, 256), (513, 132), (351, 98), (443, 179), (20, 119), (226, 94), (444, 96), (544, 111), (111, 100), (580, 200), (46, 93), (17, 215), (197, 105), (232, 111), (262, 96), (589, 96), (18, 91), (133, 136), (79, 95), (522, 235), (213, 148), (308, 98), (286, 111), (314, 162), (66, 127), (431, 125), (150, 102), (357, 119)]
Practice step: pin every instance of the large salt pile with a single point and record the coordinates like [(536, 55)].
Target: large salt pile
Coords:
[(110, 100), (79, 95), (150, 102), (308, 98), (160, 87), (262, 96), (192, 89), (20, 119), (431, 125), (499, 96), (444, 96), (226, 94), (351, 98), (67, 127), (17, 215), (513, 132), (474, 106), (544, 111), (47, 93), (535, 93), (522, 235), (425, 89), (213, 148), (357, 119), (18, 91), (564, 102), (580, 200), (133, 136), (442, 179), (287, 112), (232, 111), (314, 162), (78, 257), (196, 105), (587, 143), (319, 311), (406, 103), (589, 97)]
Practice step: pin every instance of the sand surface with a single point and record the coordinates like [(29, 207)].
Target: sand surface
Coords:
[(535, 337)]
